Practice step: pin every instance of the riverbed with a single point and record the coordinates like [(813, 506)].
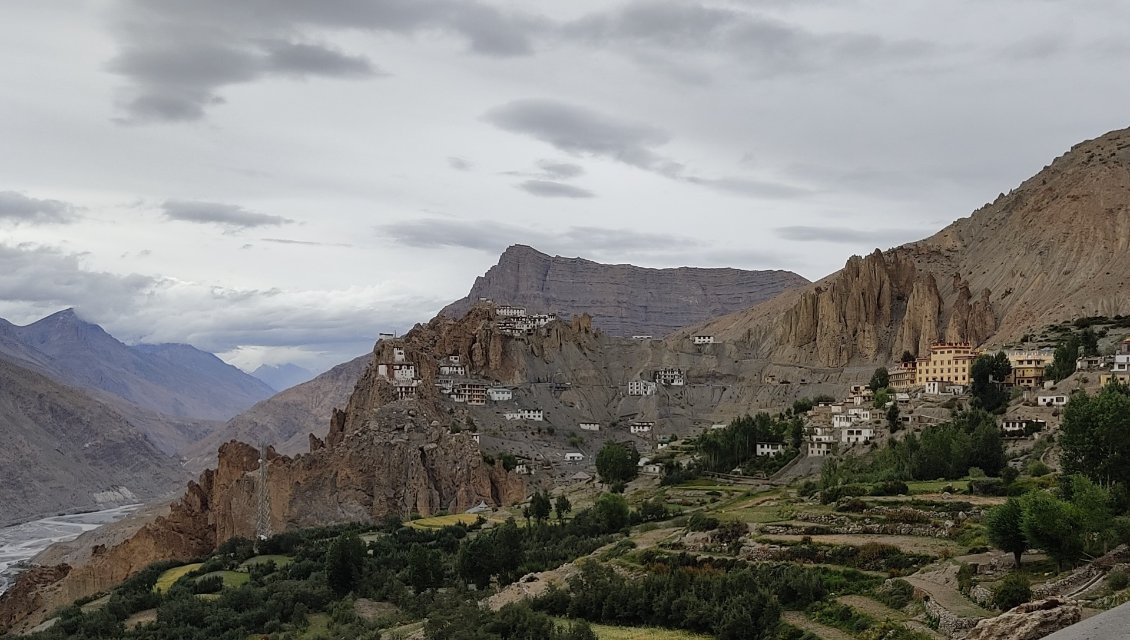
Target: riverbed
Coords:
[(23, 541)]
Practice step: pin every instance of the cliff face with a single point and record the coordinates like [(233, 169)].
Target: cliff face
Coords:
[(1053, 249), (623, 300)]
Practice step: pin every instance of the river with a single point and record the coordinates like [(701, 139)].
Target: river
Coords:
[(22, 541)]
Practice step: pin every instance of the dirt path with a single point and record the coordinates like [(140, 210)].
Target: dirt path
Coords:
[(798, 620), (950, 598)]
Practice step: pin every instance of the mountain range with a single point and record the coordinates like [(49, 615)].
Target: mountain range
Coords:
[(282, 376), (623, 299)]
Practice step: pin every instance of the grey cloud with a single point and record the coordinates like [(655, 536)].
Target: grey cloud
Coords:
[(762, 45), (581, 131), (20, 208), (48, 279), (228, 215), (550, 189), (459, 164), (316, 60), (847, 235), (492, 237), (560, 170), (176, 56), (306, 243)]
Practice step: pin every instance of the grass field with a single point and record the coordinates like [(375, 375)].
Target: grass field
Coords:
[(935, 486), (280, 561), (609, 632), (232, 579), (439, 522), (319, 623), (170, 577)]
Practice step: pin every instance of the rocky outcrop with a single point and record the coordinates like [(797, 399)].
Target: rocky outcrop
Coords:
[(623, 300), (1029, 621), (1054, 249), (29, 597), (381, 457)]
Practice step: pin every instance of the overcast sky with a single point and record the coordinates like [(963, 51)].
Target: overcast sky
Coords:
[(280, 180)]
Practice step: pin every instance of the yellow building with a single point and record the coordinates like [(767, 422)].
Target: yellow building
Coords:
[(1028, 367), (947, 362), (902, 377)]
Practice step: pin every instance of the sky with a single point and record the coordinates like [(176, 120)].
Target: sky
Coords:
[(281, 180)]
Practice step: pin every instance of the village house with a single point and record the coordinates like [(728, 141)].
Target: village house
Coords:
[(716, 426), (470, 392), (451, 366), (641, 427), (475, 437), (1093, 363), (938, 388), (902, 398), (573, 456), (641, 337), (702, 339), (398, 354), (522, 469), (507, 311), (500, 394), (641, 388), (590, 426), (843, 420), (769, 448), (860, 413), (670, 377), (857, 435), (445, 385), (857, 389), (1051, 400), (537, 415), (1017, 427), (947, 362), (903, 376), (651, 469), (1028, 367), (405, 388), (1120, 369)]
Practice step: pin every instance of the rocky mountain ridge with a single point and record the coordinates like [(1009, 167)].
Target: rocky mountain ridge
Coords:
[(1055, 248), (622, 299), (172, 391), (66, 451)]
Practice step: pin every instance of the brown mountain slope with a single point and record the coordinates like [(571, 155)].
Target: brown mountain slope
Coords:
[(622, 299), (285, 420), (65, 451), (1055, 248)]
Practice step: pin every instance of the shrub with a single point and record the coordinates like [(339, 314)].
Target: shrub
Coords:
[(890, 488), (1118, 580), (851, 505), (965, 578), (1037, 468), (896, 594), (1013, 591), (699, 522)]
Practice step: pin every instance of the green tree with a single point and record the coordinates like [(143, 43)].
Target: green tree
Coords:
[(1095, 440), (881, 379), (561, 507), (1004, 526), (617, 462), (987, 451), (1089, 342), (893, 418), (1053, 525), (988, 374), (425, 568), (344, 560), (882, 397), (611, 512), (1093, 503), (540, 506), (1063, 363)]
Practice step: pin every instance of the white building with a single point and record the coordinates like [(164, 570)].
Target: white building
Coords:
[(398, 354), (641, 337), (475, 437), (590, 426), (902, 398), (715, 427), (522, 468), (641, 388), (1051, 400), (770, 448), (641, 427), (670, 377), (537, 415), (857, 434), (507, 311), (500, 394), (573, 456), (451, 366), (843, 420), (651, 469), (702, 339), (820, 449)]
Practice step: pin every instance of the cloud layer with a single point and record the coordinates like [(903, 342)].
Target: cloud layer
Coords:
[(227, 215), (21, 209)]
